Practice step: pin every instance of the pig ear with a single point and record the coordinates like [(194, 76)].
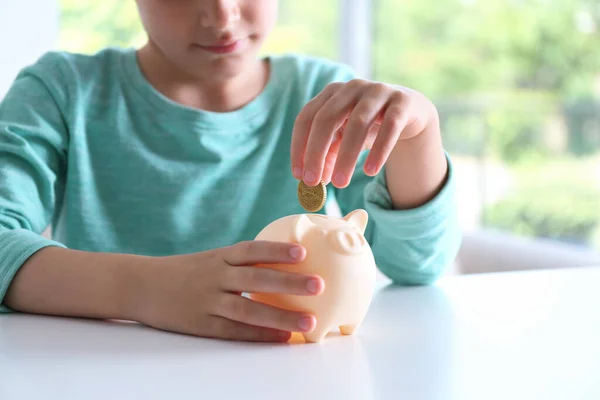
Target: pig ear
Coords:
[(302, 225), (358, 218)]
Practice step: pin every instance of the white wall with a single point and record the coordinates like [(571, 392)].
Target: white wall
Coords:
[(28, 28)]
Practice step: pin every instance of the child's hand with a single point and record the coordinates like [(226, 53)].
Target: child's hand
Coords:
[(199, 294), (347, 118)]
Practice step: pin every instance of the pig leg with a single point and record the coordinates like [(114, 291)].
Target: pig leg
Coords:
[(348, 329), (315, 336)]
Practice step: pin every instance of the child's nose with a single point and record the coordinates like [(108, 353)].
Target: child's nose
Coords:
[(220, 14)]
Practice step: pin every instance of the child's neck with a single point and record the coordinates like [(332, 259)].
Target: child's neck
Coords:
[(205, 94)]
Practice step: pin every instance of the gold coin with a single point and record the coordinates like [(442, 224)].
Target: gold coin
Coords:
[(312, 198)]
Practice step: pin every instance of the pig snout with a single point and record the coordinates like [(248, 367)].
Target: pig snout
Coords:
[(348, 241)]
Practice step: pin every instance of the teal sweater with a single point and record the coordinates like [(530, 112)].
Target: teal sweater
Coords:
[(88, 146)]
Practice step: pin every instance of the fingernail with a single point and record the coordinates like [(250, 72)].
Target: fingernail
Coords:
[(297, 173), (296, 253), (305, 323), (309, 177), (371, 167), (339, 179), (312, 285)]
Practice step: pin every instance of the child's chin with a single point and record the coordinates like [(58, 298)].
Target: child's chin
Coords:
[(231, 65)]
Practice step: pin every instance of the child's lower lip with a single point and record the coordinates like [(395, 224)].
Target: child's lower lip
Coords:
[(228, 48)]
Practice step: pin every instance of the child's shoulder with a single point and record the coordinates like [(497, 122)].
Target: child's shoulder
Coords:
[(312, 70), (306, 62), (69, 67)]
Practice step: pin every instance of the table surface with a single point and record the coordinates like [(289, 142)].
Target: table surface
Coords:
[(525, 335)]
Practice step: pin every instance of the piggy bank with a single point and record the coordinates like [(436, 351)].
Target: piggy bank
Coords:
[(338, 252)]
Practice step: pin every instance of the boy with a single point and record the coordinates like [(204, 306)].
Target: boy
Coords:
[(157, 167)]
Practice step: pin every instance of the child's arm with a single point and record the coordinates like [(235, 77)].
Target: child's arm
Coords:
[(393, 134), (58, 281), (417, 168), (412, 246), (33, 147), (196, 294)]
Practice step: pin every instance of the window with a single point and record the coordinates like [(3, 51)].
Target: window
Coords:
[(517, 84)]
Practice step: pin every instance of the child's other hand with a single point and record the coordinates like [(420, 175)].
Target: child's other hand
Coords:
[(200, 294), (346, 118)]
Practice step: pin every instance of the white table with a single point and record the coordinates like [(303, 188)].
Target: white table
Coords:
[(531, 335)]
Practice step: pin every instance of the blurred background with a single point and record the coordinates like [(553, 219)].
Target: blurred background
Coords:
[(517, 84)]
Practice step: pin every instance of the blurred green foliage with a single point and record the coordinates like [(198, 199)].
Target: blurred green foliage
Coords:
[(558, 200), (482, 47), (90, 25), (516, 81)]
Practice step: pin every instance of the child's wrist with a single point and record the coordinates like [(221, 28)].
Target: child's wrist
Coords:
[(135, 287)]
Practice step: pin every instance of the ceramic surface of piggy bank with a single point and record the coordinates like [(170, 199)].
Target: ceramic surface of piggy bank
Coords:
[(338, 252)]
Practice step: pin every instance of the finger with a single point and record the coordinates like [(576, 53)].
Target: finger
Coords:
[(302, 127), (247, 311), (253, 252), (394, 122), (267, 280), (224, 328), (334, 149), (360, 121), (327, 122), (332, 156), (372, 135)]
